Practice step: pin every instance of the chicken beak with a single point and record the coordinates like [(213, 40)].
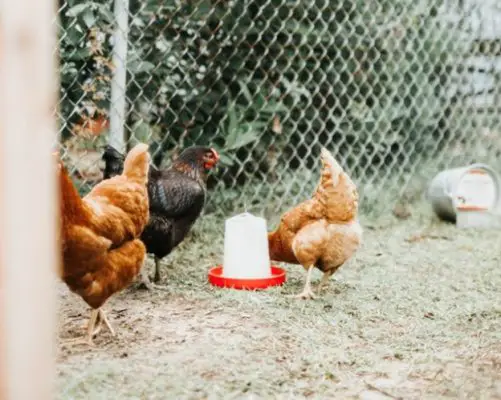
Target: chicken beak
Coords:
[(209, 164)]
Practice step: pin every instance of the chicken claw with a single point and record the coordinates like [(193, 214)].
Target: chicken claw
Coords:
[(77, 341), (94, 326), (148, 285), (325, 280), (307, 293), (145, 281)]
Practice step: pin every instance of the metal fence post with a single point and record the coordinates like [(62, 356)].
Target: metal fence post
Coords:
[(118, 84)]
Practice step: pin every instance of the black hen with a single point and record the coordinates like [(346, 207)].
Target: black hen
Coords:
[(177, 197)]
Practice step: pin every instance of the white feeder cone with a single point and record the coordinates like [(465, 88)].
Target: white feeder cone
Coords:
[(246, 254)]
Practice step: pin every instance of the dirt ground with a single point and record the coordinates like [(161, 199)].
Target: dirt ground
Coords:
[(415, 315)]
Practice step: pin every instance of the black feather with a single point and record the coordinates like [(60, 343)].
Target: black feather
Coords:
[(114, 162), (176, 197)]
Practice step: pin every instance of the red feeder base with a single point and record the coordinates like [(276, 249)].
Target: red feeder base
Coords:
[(216, 279)]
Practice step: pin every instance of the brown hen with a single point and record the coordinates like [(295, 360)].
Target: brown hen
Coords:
[(323, 231), (101, 250)]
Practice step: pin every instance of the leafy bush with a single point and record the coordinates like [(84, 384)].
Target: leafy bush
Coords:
[(268, 81)]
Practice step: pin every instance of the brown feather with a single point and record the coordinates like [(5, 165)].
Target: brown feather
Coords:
[(101, 251), (322, 231)]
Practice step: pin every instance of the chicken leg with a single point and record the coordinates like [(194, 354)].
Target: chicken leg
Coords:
[(94, 326), (156, 278), (325, 280), (307, 293), (97, 317), (145, 282)]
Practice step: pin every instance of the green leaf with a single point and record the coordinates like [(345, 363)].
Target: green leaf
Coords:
[(80, 54), (226, 158), (260, 101), (273, 108), (74, 36), (89, 18), (77, 10), (137, 67), (141, 131), (245, 91), (295, 89), (163, 45), (136, 21), (105, 12), (244, 140), (231, 130), (202, 9), (247, 133)]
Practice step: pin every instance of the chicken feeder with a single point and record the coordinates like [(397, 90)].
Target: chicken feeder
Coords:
[(468, 196), (246, 263)]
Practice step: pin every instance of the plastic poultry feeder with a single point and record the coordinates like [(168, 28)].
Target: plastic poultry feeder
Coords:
[(246, 262)]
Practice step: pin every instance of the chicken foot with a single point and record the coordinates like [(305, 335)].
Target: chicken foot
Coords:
[(145, 281), (94, 326), (325, 280), (101, 317), (97, 318), (307, 292)]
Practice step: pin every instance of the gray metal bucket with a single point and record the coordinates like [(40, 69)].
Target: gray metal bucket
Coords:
[(444, 192)]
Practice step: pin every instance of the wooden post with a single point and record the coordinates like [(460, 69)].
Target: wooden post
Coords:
[(3, 377), (28, 256)]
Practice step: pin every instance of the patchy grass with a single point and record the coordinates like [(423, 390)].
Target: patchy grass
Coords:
[(415, 315)]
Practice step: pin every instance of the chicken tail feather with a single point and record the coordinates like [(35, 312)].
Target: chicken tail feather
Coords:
[(336, 191), (137, 163), (71, 204)]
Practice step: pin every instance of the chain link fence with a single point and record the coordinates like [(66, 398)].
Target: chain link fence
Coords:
[(396, 89)]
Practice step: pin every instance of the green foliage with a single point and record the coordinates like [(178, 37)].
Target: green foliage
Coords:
[(268, 81), (85, 66)]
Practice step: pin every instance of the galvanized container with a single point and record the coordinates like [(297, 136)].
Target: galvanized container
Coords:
[(474, 188)]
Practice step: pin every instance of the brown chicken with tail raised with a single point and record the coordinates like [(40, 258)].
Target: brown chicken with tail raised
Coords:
[(101, 250), (323, 231)]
